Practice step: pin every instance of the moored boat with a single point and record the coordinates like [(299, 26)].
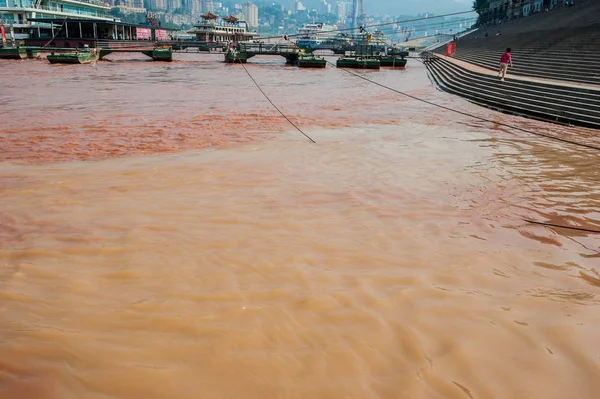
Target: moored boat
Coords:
[(214, 32), (312, 35), (76, 57), (162, 54), (392, 61), (13, 53), (397, 52), (311, 61), (233, 56), (358, 62)]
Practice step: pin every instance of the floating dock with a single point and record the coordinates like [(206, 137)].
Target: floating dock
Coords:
[(19, 53)]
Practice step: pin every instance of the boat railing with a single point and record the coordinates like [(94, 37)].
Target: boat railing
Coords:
[(125, 44), (94, 2), (56, 8), (279, 48)]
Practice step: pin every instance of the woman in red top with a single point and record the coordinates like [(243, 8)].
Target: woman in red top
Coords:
[(505, 60)]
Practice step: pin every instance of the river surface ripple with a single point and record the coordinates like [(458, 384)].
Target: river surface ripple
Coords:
[(164, 234)]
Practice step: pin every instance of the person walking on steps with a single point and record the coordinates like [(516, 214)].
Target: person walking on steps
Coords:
[(505, 61)]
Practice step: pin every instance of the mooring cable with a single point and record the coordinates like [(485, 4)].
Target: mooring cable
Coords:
[(589, 146), (272, 103), (56, 34), (562, 226), (490, 121)]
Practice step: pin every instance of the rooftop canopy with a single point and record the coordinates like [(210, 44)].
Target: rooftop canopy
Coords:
[(209, 15), (231, 19)]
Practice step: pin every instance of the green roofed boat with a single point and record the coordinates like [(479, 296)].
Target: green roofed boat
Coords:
[(311, 61), (162, 54), (392, 61), (76, 57), (358, 62), (19, 53), (13, 53), (398, 53)]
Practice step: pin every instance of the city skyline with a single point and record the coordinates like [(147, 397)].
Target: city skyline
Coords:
[(371, 7)]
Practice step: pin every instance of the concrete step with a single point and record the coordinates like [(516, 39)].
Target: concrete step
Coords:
[(548, 73), (588, 44), (556, 66), (516, 87), (515, 96), (519, 64), (592, 55), (493, 103), (517, 107), (538, 57), (506, 90), (574, 95), (577, 62), (582, 93)]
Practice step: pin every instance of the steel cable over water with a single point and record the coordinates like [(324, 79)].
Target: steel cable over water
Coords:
[(272, 103), (56, 34), (548, 136), (562, 226), (426, 18), (589, 146)]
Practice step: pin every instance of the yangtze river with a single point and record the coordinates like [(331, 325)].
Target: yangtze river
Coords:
[(165, 233)]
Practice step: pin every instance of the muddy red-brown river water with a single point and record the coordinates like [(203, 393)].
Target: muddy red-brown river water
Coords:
[(164, 233)]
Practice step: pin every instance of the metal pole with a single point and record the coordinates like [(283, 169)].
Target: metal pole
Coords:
[(12, 35), (80, 31), (67, 29)]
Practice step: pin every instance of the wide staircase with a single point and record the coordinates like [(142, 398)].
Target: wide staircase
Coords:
[(562, 44), (553, 103)]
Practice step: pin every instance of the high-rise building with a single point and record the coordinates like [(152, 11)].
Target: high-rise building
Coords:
[(156, 5), (207, 6), (193, 8), (250, 12), (341, 10), (325, 7), (357, 13), (173, 5)]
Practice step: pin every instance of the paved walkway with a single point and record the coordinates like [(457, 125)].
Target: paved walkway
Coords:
[(485, 71)]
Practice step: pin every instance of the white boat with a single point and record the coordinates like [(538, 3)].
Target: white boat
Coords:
[(214, 30), (312, 35)]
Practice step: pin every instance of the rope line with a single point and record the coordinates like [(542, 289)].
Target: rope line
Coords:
[(56, 34), (426, 18), (499, 123), (589, 146), (272, 103), (562, 226)]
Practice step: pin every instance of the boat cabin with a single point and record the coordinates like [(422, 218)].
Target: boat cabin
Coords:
[(213, 30), (51, 32)]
